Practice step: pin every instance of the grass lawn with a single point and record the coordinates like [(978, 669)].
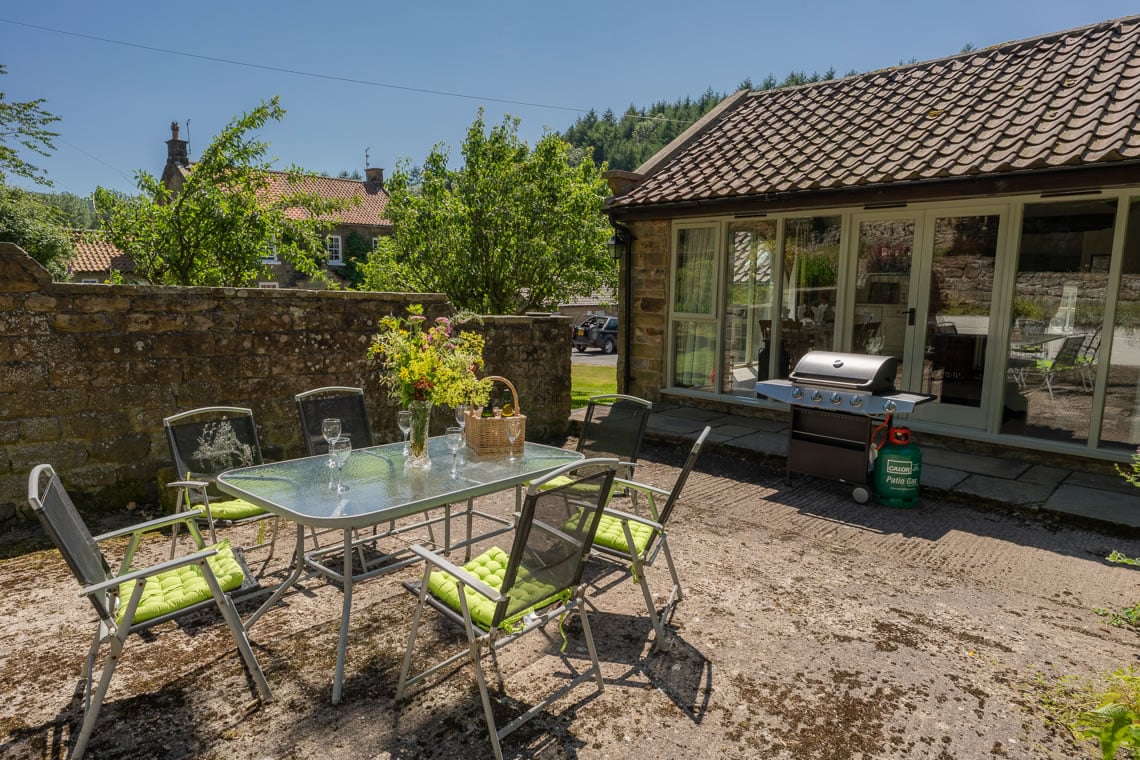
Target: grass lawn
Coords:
[(586, 381)]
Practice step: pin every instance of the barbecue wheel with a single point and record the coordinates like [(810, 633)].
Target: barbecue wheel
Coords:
[(861, 495)]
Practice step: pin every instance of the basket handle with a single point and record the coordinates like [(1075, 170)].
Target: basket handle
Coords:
[(509, 384)]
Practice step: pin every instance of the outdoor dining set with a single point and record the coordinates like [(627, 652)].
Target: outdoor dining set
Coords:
[(376, 516)]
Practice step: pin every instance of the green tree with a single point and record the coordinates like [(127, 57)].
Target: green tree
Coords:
[(75, 212), (35, 227), (511, 231), (220, 224), (24, 124)]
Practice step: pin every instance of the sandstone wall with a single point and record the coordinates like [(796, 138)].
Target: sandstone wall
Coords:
[(649, 302), (87, 372)]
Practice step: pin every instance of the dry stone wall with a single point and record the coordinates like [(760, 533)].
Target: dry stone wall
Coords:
[(87, 372)]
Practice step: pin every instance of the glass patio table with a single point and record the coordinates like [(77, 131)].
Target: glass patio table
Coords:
[(379, 491)]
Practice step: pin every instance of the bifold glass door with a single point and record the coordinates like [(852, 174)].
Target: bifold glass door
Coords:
[(923, 292)]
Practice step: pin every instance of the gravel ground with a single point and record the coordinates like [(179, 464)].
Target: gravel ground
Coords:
[(812, 627)]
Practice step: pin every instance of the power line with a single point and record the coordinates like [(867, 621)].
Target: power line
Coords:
[(295, 72)]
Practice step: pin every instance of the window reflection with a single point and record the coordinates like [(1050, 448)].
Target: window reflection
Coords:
[(1119, 428), (1058, 311), (748, 306), (811, 277)]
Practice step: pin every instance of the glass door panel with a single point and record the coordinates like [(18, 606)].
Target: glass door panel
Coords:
[(1058, 312), (882, 290), (1120, 428), (748, 306), (810, 285), (957, 314)]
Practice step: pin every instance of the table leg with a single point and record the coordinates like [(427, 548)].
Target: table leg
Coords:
[(342, 645), (298, 569), (470, 523)]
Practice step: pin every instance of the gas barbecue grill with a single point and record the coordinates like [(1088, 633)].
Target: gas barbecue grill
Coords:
[(835, 400)]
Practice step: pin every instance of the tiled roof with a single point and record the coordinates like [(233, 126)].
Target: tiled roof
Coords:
[(370, 210), (1061, 100), (94, 254)]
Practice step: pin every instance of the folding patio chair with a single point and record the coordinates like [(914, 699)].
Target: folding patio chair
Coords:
[(639, 539), (345, 404), (132, 598), (1067, 359), (498, 597), (204, 443), (614, 426)]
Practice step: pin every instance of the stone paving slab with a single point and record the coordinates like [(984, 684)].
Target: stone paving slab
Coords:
[(1005, 490), (941, 478), (1040, 473), (693, 413), (976, 463), (1109, 506), (1102, 482), (665, 425), (762, 442)]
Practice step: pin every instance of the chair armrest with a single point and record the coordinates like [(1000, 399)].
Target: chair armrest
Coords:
[(149, 525), (626, 516), (462, 575), (648, 490), (146, 572), (187, 484)]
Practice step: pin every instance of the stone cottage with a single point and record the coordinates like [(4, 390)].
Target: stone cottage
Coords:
[(976, 216)]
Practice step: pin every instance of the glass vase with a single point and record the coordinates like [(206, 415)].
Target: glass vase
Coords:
[(418, 437)]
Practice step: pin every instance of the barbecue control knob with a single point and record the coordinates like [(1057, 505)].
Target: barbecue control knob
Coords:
[(889, 406), (797, 393), (816, 396), (836, 399), (857, 401)]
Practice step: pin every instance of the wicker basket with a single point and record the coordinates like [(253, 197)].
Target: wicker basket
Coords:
[(488, 435)]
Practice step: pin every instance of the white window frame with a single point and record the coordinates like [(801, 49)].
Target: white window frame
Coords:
[(375, 242), (334, 250)]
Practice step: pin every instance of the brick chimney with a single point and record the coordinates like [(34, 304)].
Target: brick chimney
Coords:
[(374, 175), (177, 151)]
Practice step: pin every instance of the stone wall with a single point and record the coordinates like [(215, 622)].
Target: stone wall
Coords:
[(649, 301), (87, 372)]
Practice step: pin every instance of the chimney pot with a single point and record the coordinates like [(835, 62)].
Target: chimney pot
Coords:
[(374, 174)]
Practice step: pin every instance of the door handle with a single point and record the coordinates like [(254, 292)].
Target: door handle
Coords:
[(910, 317)]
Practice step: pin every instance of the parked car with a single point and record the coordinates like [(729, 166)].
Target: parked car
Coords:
[(596, 332)]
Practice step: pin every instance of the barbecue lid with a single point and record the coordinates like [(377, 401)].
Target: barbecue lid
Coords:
[(854, 372)]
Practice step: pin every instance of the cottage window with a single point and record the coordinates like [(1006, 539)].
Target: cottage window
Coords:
[(332, 245), (694, 324)]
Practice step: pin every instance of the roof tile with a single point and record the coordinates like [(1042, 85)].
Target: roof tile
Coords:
[(1069, 98)]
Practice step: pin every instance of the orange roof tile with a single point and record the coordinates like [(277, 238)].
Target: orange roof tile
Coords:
[(94, 254), (1065, 99), (369, 211)]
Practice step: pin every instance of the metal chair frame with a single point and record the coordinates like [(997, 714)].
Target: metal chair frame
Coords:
[(60, 519), (499, 634), (658, 544)]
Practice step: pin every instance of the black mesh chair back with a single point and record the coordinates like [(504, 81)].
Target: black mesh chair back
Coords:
[(690, 462), (553, 537), (345, 404), (614, 427), (61, 521), (208, 441)]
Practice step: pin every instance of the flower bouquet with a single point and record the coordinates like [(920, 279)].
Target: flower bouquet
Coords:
[(427, 364)]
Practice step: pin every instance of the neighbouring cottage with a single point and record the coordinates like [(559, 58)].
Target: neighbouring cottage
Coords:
[(977, 216), (359, 226), (96, 258)]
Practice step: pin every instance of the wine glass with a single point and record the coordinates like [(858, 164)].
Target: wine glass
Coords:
[(330, 429), (461, 421), (340, 447), (454, 441), (514, 429), (404, 420)]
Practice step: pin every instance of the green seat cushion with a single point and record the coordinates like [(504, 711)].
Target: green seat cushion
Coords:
[(490, 567), (234, 509), (610, 534), (182, 587)]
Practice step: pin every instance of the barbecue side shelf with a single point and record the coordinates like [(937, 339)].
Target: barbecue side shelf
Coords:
[(830, 445)]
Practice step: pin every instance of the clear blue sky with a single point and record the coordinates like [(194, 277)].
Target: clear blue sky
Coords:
[(554, 60)]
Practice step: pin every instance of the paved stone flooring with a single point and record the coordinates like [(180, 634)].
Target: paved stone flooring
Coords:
[(1105, 498)]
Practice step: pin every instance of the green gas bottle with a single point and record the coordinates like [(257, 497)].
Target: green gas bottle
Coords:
[(898, 470)]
